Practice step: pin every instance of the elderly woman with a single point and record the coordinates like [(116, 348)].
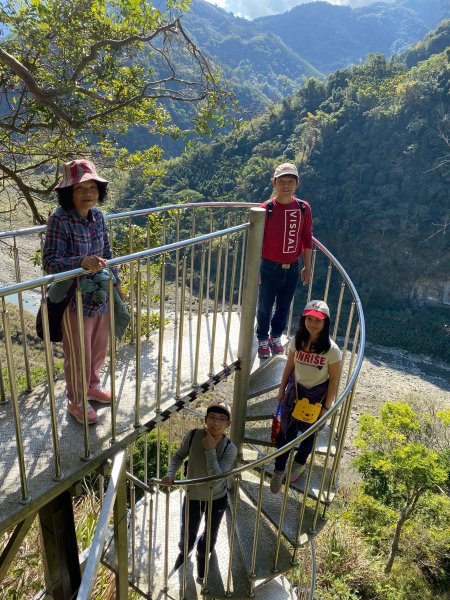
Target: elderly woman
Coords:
[(77, 237)]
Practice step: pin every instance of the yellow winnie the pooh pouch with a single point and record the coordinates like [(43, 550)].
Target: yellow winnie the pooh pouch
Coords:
[(305, 411)]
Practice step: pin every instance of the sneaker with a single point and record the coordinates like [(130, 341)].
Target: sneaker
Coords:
[(263, 349), (275, 345), (99, 394), (297, 470), (76, 410), (276, 482)]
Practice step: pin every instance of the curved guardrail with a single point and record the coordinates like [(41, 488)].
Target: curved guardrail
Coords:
[(230, 278)]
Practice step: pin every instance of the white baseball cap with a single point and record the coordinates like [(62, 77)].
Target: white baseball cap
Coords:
[(285, 169), (317, 308), (219, 406)]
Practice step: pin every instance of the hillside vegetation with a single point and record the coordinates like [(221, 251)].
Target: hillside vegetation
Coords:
[(266, 60), (372, 144)]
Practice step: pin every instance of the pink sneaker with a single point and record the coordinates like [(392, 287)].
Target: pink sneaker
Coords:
[(99, 394), (76, 410)]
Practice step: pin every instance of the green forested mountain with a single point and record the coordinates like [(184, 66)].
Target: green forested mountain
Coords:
[(331, 37), (436, 41), (372, 144), (265, 60)]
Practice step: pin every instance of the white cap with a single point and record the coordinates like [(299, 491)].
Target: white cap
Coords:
[(285, 169), (317, 308), (219, 406)]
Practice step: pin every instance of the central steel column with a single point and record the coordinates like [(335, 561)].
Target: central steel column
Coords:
[(246, 330)]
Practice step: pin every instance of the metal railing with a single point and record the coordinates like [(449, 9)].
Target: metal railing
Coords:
[(218, 260)]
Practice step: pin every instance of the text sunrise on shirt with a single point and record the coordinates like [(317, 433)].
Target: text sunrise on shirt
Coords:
[(287, 232), (310, 358), (311, 368)]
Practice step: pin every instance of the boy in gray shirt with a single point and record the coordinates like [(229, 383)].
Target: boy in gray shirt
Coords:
[(210, 452)]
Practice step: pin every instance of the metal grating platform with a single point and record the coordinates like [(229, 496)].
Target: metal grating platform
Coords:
[(266, 544), (268, 376), (35, 417), (152, 584)]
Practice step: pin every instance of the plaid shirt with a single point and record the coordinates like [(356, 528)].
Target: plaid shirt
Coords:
[(69, 238)]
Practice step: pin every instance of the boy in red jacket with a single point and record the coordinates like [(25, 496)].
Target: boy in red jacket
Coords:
[(287, 235)]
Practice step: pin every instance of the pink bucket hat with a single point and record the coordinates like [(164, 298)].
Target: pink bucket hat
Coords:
[(77, 171)]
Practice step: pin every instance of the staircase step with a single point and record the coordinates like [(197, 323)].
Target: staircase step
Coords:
[(266, 544), (216, 585), (267, 377), (260, 435), (276, 589), (271, 508), (263, 408), (314, 484)]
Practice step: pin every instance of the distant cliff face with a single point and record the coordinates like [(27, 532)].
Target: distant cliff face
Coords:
[(431, 293)]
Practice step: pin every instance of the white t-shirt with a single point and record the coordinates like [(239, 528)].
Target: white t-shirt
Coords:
[(311, 368)]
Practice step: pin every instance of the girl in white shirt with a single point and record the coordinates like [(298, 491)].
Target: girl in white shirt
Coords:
[(313, 366)]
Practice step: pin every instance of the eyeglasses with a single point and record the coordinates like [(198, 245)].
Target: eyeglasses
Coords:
[(218, 418)]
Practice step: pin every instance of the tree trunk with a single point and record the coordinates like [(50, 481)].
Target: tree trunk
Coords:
[(405, 513), (395, 542)]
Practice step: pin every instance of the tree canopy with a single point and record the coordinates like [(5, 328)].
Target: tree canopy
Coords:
[(76, 73), (403, 455)]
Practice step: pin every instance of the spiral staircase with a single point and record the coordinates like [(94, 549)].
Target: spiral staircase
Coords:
[(203, 347)]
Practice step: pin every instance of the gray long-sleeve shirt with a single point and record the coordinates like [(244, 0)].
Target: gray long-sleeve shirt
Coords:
[(203, 463)]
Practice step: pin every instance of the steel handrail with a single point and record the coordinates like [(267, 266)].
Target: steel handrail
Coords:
[(101, 530), (135, 213), (46, 280), (318, 424)]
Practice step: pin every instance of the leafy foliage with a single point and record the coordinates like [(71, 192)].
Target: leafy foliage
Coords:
[(400, 463), (74, 75), (363, 518), (151, 441)]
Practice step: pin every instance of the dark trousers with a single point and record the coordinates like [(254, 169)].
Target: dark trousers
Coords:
[(277, 286), (198, 508), (304, 449)]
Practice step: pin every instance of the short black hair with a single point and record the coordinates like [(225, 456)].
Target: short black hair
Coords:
[(217, 409), (65, 195)]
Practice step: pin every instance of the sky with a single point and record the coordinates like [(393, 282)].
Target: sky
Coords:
[(250, 9)]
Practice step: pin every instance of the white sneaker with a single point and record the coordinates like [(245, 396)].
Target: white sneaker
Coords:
[(297, 470), (276, 482)]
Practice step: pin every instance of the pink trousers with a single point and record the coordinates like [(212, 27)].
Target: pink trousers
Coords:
[(96, 336)]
